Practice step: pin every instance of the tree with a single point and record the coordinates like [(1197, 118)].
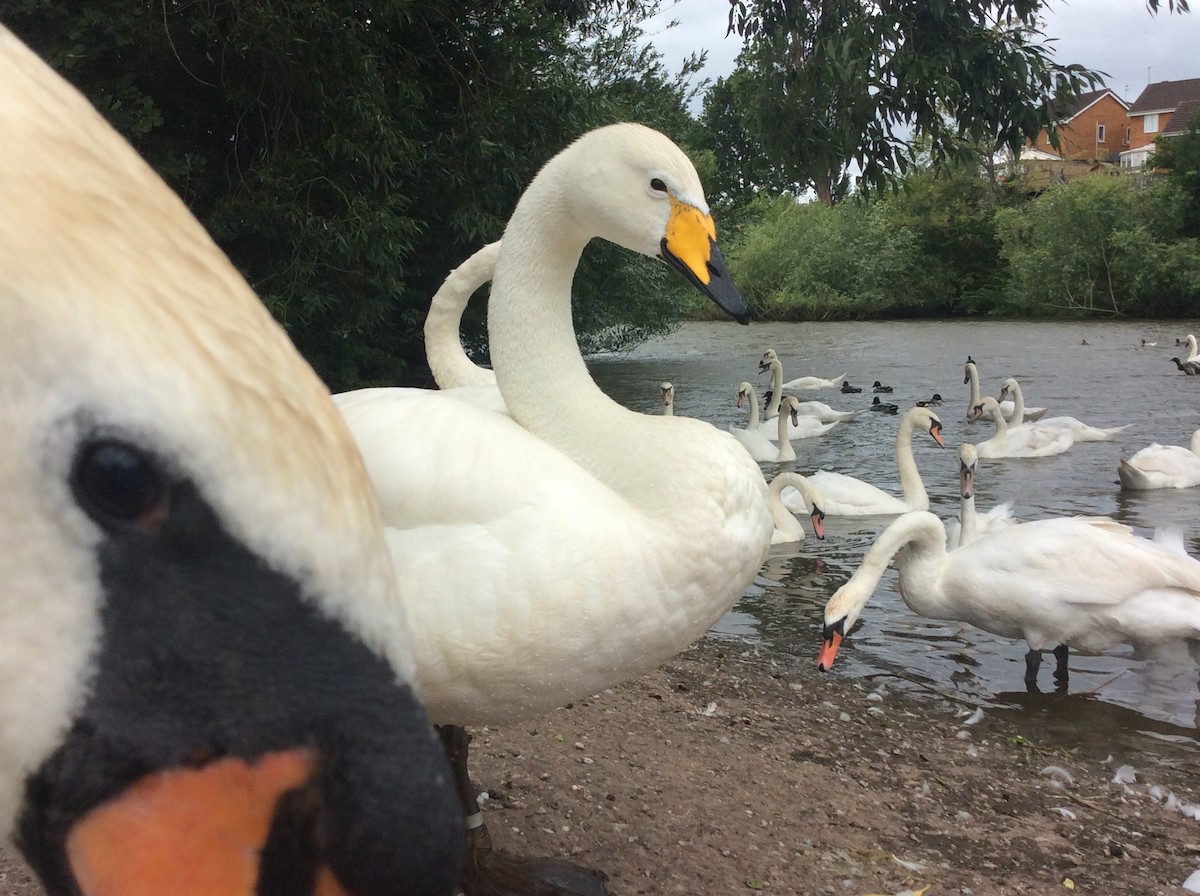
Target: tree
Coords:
[(829, 82), (347, 156)]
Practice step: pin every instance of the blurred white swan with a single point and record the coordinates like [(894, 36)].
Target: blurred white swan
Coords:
[(1025, 440), (848, 496), (760, 447), (1162, 466)]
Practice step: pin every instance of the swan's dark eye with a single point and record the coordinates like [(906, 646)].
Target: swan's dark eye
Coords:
[(657, 184), (118, 485)]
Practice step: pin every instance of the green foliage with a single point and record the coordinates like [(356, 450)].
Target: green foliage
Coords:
[(346, 158), (825, 83), (1099, 245), (1180, 157)]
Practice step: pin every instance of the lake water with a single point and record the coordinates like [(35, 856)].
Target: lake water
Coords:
[(1136, 710)]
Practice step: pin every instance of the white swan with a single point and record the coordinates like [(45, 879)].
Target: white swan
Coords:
[(1162, 466), (971, 376), (817, 409), (970, 524), (578, 543), (1025, 440), (666, 393), (787, 527), (847, 496), (198, 618), (449, 364), (760, 447), (1078, 582), (1080, 431), (802, 382), (1193, 349)]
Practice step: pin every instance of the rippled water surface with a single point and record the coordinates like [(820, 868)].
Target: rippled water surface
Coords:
[(1115, 703)]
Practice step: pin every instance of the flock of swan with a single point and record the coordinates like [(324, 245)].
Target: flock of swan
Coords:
[(237, 605)]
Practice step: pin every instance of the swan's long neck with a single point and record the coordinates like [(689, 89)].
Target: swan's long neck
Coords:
[(1195, 443), (1193, 348), (753, 399), (918, 542), (1001, 426), (967, 521), (1018, 414), (784, 519), (448, 362), (776, 388), (973, 377), (786, 451), (911, 485)]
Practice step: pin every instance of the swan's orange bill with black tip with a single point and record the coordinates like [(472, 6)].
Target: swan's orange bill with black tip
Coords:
[(690, 246), (829, 649)]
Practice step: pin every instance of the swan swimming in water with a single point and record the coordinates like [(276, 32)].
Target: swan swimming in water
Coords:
[(787, 527), (817, 409), (601, 541), (971, 524), (971, 376), (1083, 582), (1025, 440), (847, 496), (801, 382), (1162, 466), (667, 397), (200, 655), (760, 447), (1080, 431)]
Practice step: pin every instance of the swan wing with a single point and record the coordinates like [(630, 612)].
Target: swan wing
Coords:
[(1160, 466)]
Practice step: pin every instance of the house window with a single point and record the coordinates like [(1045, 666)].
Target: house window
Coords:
[(1150, 123), (1099, 133), (1128, 135)]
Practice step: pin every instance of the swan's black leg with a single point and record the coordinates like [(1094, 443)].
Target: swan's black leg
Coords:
[(1033, 662), (1061, 673), (491, 873)]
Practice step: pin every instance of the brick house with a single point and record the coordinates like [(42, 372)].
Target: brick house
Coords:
[(1093, 128), (1162, 110)]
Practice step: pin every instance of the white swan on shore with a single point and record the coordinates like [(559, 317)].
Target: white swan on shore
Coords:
[(577, 543), (971, 524), (971, 376), (787, 527), (1162, 466), (848, 496), (1082, 582), (800, 383)]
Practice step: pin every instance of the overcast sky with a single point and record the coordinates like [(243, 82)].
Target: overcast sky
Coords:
[(1118, 37)]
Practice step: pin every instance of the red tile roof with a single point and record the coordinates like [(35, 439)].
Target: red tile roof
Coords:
[(1165, 95)]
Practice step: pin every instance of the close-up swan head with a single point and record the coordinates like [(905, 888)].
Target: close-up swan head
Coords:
[(639, 190), (197, 604), (968, 464), (987, 407)]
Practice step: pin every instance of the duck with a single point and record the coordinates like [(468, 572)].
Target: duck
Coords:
[(879, 387), (760, 447), (847, 389), (934, 401), (666, 392), (848, 496), (1080, 431), (657, 523), (1083, 582), (800, 383), (1191, 368), (787, 528), (970, 524), (1023, 440), (1148, 344), (1162, 466), (883, 406), (971, 376), (200, 652)]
